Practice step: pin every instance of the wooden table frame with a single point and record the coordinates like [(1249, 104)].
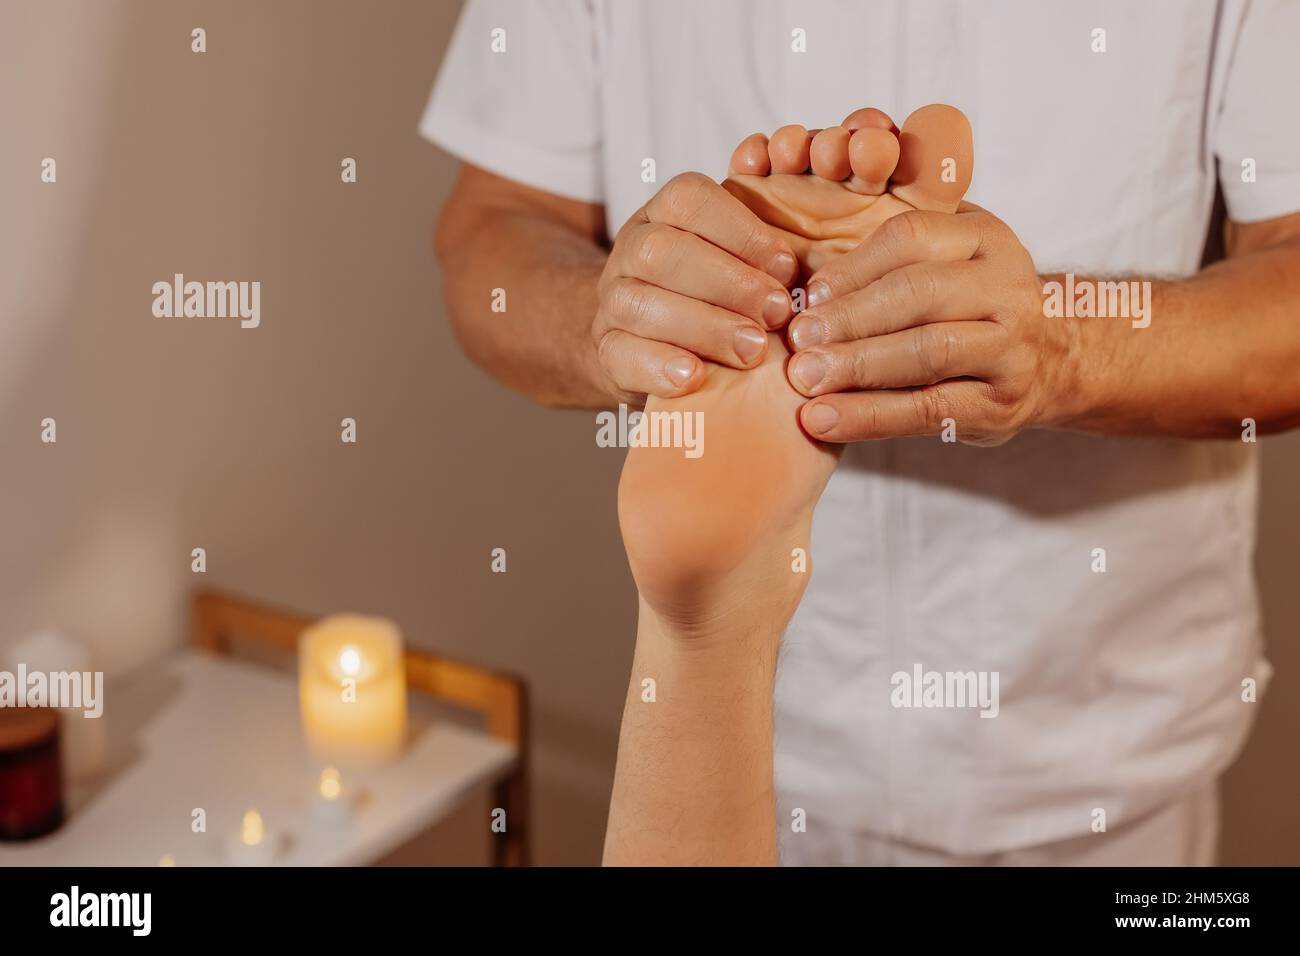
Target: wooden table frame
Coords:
[(501, 698)]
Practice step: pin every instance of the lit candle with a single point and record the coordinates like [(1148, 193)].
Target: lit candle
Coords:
[(251, 844), (331, 803), (352, 690)]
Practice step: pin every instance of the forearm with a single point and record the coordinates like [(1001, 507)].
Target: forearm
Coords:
[(693, 784), (1221, 347), (540, 343)]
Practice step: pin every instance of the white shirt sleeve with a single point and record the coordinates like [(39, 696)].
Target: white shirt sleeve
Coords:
[(529, 112), (1260, 117)]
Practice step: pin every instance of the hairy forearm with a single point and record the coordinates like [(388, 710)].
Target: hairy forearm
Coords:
[(540, 343), (1221, 347), (693, 784)]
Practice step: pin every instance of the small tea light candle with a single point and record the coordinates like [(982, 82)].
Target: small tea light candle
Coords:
[(352, 690), (251, 844), (331, 803)]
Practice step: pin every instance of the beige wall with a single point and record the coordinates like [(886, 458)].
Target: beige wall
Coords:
[(176, 434)]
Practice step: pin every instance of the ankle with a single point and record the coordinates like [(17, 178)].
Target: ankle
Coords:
[(753, 602), (716, 639)]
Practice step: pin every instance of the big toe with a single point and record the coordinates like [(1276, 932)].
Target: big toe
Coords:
[(936, 159)]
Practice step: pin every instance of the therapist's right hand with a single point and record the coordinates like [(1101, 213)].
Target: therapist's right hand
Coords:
[(693, 275)]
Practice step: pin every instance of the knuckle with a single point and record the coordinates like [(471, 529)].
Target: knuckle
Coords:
[(928, 408), (685, 195), (920, 345), (688, 180), (991, 233), (934, 349), (923, 287), (902, 231), (868, 424), (607, 351), (850, 272), (998, 398), (757, 246), (603, 320), (627, 302), (898, 290), (991, 226), (655, 250), (857, 367), (1019, 368)]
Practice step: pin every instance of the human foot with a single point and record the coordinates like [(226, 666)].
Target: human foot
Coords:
[(717, 535), (863, 172), (720, 534)]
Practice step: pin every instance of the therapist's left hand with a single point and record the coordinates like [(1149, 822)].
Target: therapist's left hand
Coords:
[(935, 319)]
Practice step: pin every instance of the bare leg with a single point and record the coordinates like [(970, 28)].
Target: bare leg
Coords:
[(718, 546)]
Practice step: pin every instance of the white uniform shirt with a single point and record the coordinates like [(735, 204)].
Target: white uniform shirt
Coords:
[(1118, 690)]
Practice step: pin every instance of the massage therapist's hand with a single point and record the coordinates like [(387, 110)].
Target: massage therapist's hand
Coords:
[(934, 316), (693, 275)]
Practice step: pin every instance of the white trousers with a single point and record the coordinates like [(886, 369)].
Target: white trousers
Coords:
[(1185, 833)]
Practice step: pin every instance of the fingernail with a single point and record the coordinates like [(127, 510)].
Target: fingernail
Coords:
[(808, 369), (749, 343), (819, 419), (680, 370), (776, 308), (806, 332), (782, 268), (817, 292)]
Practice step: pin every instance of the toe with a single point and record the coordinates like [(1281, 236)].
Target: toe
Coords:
[(750, 157), (868, 118), (829, 153), (936, 158), (873, 154), (788, 149)]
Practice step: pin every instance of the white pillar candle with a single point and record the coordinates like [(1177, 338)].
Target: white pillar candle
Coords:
[(84, 740), (352, 690)]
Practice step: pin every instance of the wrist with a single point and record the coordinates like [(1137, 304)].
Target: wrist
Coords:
[(1071, 385)]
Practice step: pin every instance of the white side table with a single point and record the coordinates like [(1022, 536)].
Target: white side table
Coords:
[(223, 735)]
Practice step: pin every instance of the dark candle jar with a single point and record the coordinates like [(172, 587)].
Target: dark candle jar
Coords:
[(31, 783)]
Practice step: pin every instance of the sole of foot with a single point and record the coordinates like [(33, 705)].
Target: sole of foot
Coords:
[(718, 534)]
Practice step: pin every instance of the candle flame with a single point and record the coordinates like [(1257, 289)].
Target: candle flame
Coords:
[(350, 661), (330, 784), (167, 860), (251, 830)]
